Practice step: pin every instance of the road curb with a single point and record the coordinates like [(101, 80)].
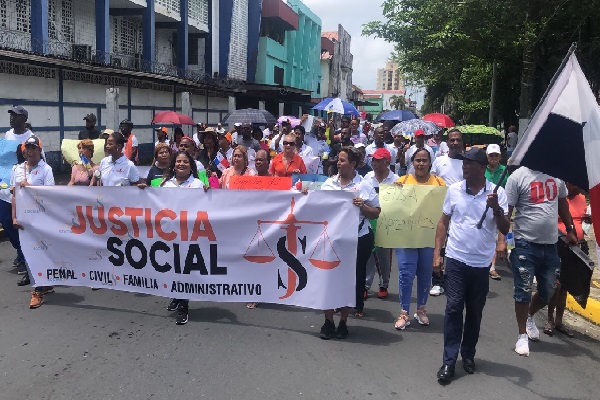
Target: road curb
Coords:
[(591, 311)]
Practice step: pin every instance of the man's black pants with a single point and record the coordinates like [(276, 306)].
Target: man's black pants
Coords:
[(466, 288)]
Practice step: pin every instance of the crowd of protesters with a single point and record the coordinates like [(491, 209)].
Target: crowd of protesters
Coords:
[(358, 159)]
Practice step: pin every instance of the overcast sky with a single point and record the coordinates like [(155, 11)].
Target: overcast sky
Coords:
[(369, 53)]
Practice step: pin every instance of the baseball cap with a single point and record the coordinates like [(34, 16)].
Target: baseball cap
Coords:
[(493, 149), (228, 137), (90, 117), (419, 132), (126, 122), (33, 141), (19, 110), (359, 145), (163, 130), (474, 154), (382, 154)]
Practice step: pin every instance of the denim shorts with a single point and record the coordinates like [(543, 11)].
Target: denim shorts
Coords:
[(531, 259)]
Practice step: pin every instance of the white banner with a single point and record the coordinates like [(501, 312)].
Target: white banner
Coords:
[(222, 245)]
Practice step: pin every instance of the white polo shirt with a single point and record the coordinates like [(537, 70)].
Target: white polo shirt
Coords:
[(467, 244), (449, 169), (190, 183), (40, 175), (122, 172), (388, 180), (362, 189), (372, 148)]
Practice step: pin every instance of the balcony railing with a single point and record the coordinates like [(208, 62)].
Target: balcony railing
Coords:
[(82, 53)]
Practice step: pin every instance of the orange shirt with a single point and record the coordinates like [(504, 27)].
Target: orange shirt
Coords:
[(278, 167), (577, 208), (411, 180)]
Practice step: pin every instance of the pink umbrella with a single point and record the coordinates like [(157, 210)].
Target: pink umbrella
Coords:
[(173, 118), (293, 120), (441, 120)]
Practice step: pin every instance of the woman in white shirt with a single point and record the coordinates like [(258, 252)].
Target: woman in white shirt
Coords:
[(116, 169), (367, 200), (33, 172), (182, 173)]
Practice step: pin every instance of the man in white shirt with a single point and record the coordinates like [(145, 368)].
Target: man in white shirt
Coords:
[(469, 252), (419, 144), (378, 143), (381, 175), (449, 167), (19, 133)]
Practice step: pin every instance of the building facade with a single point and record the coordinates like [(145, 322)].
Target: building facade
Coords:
[(288, 72), (336, 64), (390, 77)]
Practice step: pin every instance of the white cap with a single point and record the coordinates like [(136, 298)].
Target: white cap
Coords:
[(359, 145), (493, 149)]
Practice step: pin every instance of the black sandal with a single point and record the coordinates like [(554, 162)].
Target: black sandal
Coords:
[(549, 328), (563, 329)]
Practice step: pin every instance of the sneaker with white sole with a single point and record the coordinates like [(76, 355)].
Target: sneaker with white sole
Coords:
[(421, 316), (522, 346), (436, 290), (402, 322), (532, 331)]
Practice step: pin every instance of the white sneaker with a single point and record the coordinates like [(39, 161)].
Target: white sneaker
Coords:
[(532, 331), (522, 346), (436, 290)]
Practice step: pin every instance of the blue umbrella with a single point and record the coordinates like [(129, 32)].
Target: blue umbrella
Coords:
[(336, 105), (395, 115)]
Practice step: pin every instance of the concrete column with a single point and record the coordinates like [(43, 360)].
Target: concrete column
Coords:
[(148, 31), (182, 38), (186, 108), (112, 109), (39, 26), (261, 105), (102, 31), (230, 108), (281, 109), (300, 112)]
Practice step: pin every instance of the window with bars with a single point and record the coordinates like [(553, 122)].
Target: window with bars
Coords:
[(3, 14), (126, 35), (198, 10), (61, 21), (23, 15), (171, 5)]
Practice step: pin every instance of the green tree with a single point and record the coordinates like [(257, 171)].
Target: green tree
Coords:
[(397, 102), (450, 46)]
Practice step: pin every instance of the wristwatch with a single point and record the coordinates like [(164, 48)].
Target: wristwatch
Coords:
[(570, 228)]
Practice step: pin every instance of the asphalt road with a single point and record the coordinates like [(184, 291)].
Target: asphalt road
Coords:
[(83, 344)]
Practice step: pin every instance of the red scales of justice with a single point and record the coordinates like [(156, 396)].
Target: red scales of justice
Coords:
[(323, 256)]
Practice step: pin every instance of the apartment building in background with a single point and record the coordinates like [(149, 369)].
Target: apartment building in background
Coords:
[(390, 77)]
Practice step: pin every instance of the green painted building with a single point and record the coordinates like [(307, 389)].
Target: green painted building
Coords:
[(289, 47)]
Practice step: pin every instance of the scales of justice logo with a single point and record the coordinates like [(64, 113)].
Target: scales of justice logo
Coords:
[(322, 256)]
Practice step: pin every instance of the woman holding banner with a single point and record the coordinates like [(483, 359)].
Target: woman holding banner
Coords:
[(33, 172), (239, 167), (82, 174), (367, 200), (160, 164), (416, 262), (288, 162), (182, 173)]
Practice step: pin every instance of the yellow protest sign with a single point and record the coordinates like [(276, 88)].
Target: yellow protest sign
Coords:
[(409, 215), (68, 147)]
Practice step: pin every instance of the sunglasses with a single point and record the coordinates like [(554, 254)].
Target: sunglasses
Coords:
[(289, 143)]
